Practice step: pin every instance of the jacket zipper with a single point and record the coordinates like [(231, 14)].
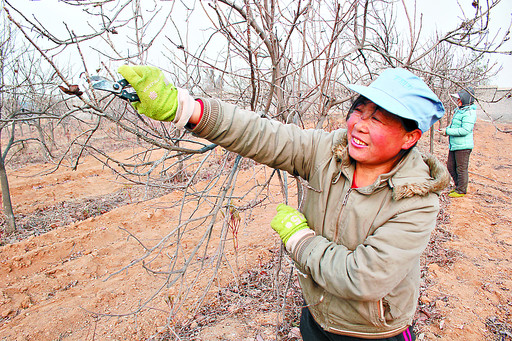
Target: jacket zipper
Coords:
[(343, 203)]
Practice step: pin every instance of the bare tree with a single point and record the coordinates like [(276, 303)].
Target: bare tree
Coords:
[(288, 60), (27, 100), (5, 49)]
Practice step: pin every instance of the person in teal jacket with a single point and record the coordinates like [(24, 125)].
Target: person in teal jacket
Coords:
[(371, 203), (460, 134)]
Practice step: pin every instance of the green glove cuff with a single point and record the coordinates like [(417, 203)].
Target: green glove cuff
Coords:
[(287, 222), (158, 97)]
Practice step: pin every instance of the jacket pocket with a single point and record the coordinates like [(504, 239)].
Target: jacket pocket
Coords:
[(401, 303), (351, 312), (312, 292)]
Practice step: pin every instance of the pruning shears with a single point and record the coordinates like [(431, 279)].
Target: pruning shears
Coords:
[(117, 88)]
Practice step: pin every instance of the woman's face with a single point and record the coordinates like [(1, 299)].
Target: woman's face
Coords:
[(376, 137)]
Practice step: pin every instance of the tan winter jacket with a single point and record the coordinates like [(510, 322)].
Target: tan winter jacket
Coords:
[(361, 271)]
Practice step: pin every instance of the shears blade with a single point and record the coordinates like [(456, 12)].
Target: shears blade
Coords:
[(117, 88)]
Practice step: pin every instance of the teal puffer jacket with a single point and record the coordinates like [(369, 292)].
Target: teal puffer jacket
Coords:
[(460, 130)]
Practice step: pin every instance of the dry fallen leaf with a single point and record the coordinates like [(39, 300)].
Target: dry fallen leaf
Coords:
[(73, 90)]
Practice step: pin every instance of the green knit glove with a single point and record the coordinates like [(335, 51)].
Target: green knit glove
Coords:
[(158, 97), (288, 221)]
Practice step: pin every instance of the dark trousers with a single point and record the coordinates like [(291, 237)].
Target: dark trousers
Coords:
[(457, 165), (311, 331)]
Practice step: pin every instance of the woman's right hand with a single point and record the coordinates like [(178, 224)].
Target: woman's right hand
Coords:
[(159, 99)]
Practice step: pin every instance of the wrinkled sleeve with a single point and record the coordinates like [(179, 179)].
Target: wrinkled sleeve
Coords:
[(282, 146), (376, 266)]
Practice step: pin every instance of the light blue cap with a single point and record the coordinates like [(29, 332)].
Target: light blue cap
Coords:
[(404, 94)]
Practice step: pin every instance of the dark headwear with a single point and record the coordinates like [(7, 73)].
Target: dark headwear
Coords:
[(467, 97)]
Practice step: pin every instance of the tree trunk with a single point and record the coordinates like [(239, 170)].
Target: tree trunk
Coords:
[(44, 149), (10, 223), (432, 140)]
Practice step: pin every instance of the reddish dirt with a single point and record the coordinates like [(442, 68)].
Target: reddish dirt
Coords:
[(57, 285), (469, 282)]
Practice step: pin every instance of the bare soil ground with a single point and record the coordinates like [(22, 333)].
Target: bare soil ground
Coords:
[(59, 276)]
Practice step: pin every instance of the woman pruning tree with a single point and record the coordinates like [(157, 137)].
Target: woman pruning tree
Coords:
[(372, 200)]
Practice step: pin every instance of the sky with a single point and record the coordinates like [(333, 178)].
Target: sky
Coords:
[(440, 15)]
